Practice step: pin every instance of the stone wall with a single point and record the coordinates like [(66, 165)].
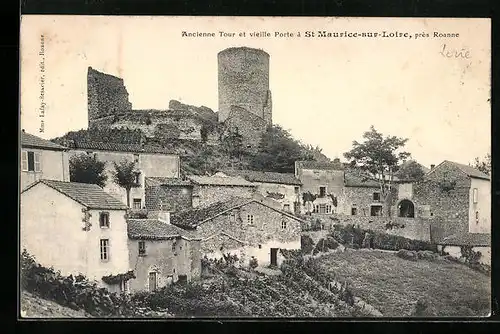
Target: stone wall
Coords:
[(161, 258), (249, 126), (360, 198), (105, 94), (311, 180), (173, 198)]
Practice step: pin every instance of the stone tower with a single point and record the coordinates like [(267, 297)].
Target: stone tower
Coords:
[(244, 82)]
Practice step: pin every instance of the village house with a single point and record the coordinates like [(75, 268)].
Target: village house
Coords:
[(42, 159), (76, 228), (281, 187), (360, 196), (168, 194), (322, 183), (211, 189), (477, 242), (149, 162), (161, 253), (458, 194), (243, 227)]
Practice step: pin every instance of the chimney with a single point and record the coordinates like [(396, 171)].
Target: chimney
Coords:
[(164, 217), (432, 166)]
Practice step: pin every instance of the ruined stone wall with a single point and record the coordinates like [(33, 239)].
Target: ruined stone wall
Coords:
[(205, 195), (249, 126), (243, 78), (106, 94)]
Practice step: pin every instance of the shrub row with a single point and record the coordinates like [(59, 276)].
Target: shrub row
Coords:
[(76, 292), (357, 238)]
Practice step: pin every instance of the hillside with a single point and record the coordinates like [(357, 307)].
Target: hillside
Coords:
[(33, 306)]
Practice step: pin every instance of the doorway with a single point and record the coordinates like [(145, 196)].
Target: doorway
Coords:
[(376, 210), (274, 256), (406, 209), (152, 281)]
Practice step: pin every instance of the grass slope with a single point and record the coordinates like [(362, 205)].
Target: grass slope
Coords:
[(33, 306), (393, 285)]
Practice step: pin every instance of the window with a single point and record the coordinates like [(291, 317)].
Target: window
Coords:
[(376, 196), (232, 217), (354, 211), (152, 281), (283, 224), (322, 191), (142, 248), (174, 246), (104, 249), (297, 190), (477, 217), (250, 219), (124, 286), (137, 203), (136, 158), (137, 178), (162, 205), (104, 220), (30, 161), (474, 195), (322, 208), (286, 207), (316, 175), (328, 208)]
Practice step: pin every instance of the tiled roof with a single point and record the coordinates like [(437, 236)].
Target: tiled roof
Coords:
[(89, 195), (320, 165), (469, 170), (194, 217), (467, 239), (154, 229), (28, 140), (265, 177), (356, 179), (167, 181), (220, 181), (117, 147)]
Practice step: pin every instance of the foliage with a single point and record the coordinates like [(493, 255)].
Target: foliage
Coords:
[(87, 169), (124, 176), (483, 165), (378, 156), (354, 237), (278, 151), (306, 244), (407, 255), (116, 279), (471, 257), (325, 244), (232, 143), (422, 309), (411, 170), (75, 292), (253, 263)]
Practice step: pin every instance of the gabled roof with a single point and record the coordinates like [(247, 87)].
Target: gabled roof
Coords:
[(310, 164), (193, 217), (167, 181), (29, 140), (357, 179), (264, 177), (220, 181), (154, 229), (467, 170), (117, 147), (89, 195), (467, 239)]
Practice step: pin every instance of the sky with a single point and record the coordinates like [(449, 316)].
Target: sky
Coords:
[(326, 91)]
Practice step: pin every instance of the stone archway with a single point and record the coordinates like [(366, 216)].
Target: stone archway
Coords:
[(406, 208)]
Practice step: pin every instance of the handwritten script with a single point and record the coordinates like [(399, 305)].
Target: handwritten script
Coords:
[(454, 53)]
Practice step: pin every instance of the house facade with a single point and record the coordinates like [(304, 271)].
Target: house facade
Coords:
[(457, 194), (212, 189), (283, 188), (243, 227), (161, 253), (322, 183), (42, 159), (360, 196), (76, 228), (149, 163), (168, 194)]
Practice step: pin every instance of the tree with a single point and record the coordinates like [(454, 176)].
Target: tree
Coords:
[(278, 151), (232, 143), (124, 176), (483, 165), (411, 170), (87, 169), (379, 157)]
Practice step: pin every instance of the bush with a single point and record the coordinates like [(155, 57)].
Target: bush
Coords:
[(306, 244), (422, 309), (427, 255), (253, 263)]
